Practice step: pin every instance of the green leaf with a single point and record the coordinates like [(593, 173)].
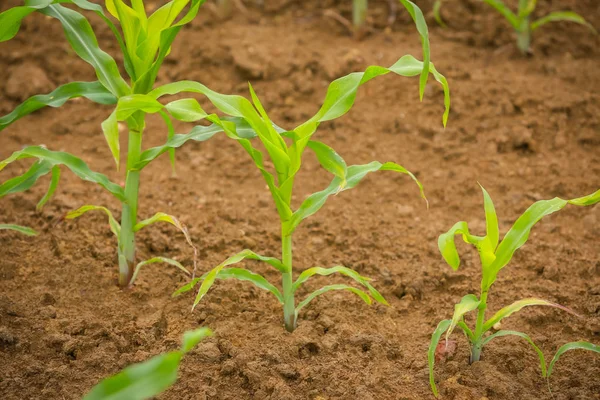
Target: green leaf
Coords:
[(447, 246), (505, 11), (417, 16), (581, 345), (53, 158), (355, 174), (110, 128), (51, 188), (171, 133), (22, 229), (162, 217), (519, 233), (210, 277), (586, 200), (365, 297), (341, 93), (491, 220), (330, 160), (10, 20), (524, 336), (435, 339), (149, 378), (518, 305), (187, 110), (93, 91), (24, 182), (437, 5), (115, 228), (569, 16), (198, 134), (467, 304), (242, 274), (153, 260), (192, 338), (81, 37), (86, 5), (344, 271)]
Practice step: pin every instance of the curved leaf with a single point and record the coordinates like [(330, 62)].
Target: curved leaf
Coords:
[(447, 246), (10, 20), (437, 15), (435, 339), (210, 277), (93, 91), (330, 160), (355, 174), (24, 182), (417, 15), (153, 260), (588, 200), (192, 338), (365, 297), (518, 305), (344, 271), (76, 165), (162, 217), (115, 228), (524, 336), (186, 110), (22, 229), (505, 11), (569, 16), (51, 189), (83, 41), (242, 274), (467, 304), (341, 93), (581, 345)]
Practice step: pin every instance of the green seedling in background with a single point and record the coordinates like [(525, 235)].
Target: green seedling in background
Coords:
[(494, 257), (286, 160), (18, 228), (150, 378), (521, 21), (145, 41)]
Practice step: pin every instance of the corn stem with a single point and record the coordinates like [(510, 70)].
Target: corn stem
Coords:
[(476, 344), (129, 211), (359, 13), (289, 305), (524, 31)]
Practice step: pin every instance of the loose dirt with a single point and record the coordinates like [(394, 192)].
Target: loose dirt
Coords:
[(525, 128)]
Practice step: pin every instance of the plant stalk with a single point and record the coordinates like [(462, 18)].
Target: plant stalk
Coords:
[(129, 211), (359, 13), (524, 31), (476, 345), (289, 304)]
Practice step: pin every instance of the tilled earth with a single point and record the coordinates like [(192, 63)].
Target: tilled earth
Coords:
[(527, 128)]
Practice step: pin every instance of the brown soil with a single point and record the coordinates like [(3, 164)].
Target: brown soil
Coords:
[(526, 128)]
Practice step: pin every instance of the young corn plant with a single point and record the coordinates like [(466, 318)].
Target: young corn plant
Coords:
[(145, 41), (286, 159), (494, 257), (521, 21), (18, 228), (150, 378)]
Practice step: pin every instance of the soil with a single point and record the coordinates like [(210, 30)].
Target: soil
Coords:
[(527, 128)]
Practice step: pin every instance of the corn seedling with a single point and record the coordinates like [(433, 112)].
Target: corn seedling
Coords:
[(150, 378), (521, 21), (494, 257), (286, 160), (144, 41)]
